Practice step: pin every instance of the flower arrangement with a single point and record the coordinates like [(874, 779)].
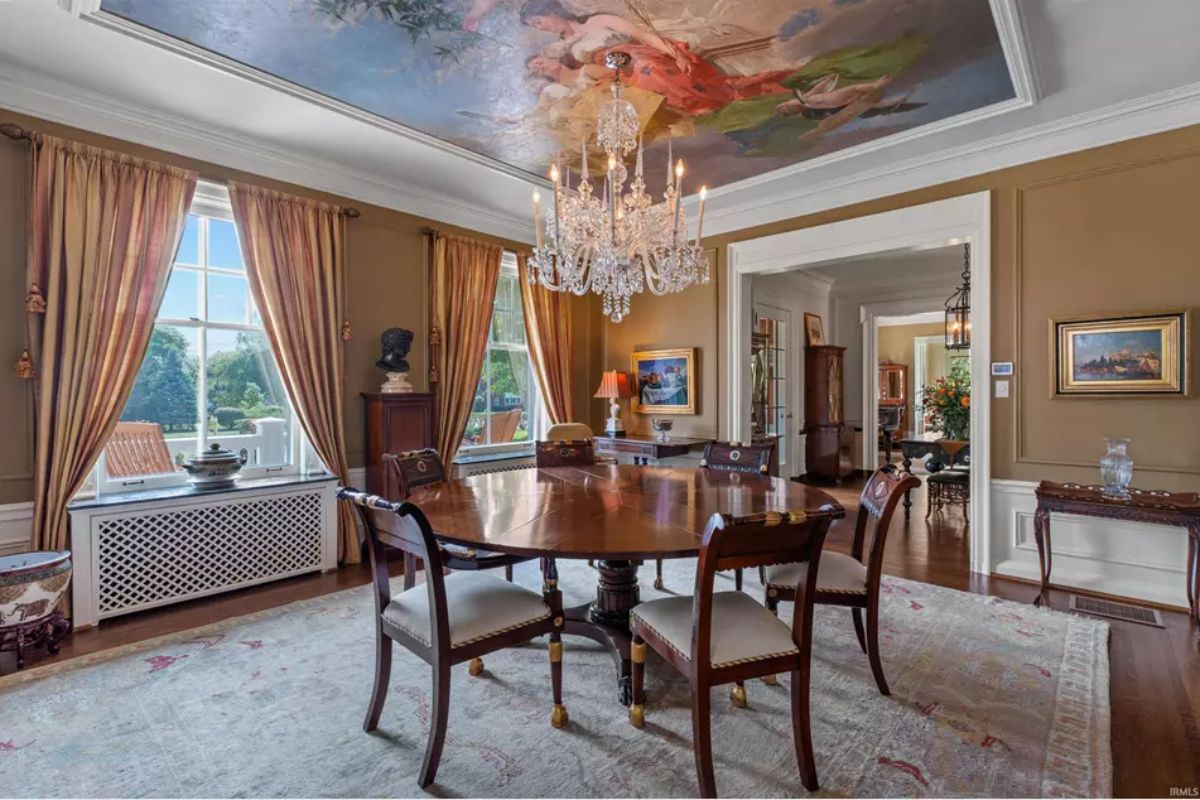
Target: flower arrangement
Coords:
[(948, 405)]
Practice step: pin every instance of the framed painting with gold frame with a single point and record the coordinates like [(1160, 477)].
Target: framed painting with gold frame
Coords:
[(664, 381), (1116, 356)]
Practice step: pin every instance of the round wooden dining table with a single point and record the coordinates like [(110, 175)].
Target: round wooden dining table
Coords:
[(617, 515)]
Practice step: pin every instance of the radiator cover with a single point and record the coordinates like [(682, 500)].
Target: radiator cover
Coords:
[(143, 555)]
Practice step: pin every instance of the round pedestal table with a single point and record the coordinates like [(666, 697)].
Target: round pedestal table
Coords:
[(615, 514)]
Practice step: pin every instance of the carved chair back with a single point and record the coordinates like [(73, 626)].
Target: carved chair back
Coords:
[(403, 526), (738, 457), (755, 540), (415, 468), (578, 453), (875, 507)]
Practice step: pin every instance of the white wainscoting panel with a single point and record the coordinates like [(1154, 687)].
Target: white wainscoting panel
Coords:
[(16, 527), (1129, 559)]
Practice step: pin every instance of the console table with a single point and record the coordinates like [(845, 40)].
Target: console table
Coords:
[(916, 447), (646, 447), (1181, 509)]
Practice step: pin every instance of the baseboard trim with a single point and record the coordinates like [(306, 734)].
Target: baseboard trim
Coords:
[(1093, 593)]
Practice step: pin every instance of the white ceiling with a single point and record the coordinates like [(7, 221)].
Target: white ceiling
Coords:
[(1104, 70)]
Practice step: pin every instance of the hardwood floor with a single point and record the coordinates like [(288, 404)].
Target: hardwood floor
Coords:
[(1155, 672)]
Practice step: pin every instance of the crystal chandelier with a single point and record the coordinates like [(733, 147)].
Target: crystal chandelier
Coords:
[(622, 242)]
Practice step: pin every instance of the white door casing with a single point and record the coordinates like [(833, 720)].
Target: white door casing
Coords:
[(952, 221)]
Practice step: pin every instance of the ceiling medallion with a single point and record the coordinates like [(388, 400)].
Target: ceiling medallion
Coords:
[(621, 243)]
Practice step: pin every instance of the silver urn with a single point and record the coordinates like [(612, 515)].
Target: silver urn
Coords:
[(215, 468)]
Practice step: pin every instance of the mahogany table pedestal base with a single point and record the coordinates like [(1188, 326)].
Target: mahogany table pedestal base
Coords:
[(606, 619)]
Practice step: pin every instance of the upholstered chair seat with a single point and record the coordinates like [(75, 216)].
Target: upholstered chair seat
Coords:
[(479, 605), (837, 572), (742, 629)]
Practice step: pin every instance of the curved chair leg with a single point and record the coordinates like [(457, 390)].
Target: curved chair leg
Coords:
[(558, 715), (929, 492), (856, 613), (658, 580), (802, 729), (437, 723), (702, 741), (383, 672), (508, 572), (637, 658), (410, 571), (873, 646), (737, 579)]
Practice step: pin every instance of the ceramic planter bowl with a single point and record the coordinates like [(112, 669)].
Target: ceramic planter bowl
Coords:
[(31, 585)]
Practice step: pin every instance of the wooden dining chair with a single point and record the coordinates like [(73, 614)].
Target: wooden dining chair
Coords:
[(413, 469), (729, 457), (452, 618), (564, 453), (848, 580), (728, 637)]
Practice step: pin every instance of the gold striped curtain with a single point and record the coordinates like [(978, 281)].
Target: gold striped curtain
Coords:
[(548, 330), (294, 249), (103, 230), (465, 274)]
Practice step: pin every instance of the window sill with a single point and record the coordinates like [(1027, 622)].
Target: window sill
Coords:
[(485, 453), (187, 490)]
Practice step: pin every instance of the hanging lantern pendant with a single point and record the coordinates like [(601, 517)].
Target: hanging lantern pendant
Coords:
[(958, 309)]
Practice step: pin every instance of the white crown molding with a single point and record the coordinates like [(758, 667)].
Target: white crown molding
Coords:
[(919, 318), (1143, 116), (39, 96)]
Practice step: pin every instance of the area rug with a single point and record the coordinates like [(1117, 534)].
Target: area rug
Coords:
[(990, 698)]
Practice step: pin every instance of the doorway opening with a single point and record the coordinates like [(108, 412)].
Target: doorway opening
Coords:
[(826, 251)]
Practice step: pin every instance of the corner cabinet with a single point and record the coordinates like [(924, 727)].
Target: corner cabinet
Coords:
[(828, 440), (395, 423)]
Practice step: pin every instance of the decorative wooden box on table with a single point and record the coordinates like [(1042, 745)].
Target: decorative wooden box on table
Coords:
[(395, 422), (828, 441)]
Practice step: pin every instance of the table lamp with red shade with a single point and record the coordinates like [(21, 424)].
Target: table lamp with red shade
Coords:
[(613, 386)]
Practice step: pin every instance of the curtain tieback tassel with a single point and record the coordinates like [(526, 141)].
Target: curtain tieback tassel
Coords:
[(346, 331), (35, 301), (24, 367)]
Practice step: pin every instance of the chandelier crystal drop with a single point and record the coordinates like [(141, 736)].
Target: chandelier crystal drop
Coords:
[(621, 242)]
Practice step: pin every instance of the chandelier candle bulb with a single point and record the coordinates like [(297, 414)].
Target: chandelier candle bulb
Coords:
[(700, 220)]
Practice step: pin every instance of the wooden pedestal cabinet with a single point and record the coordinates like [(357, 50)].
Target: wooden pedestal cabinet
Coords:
[(828, 440), (395, 422)]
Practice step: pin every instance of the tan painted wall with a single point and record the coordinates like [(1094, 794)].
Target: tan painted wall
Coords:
[(687, 319), (1112, 229), (387, 268), (896, 344)]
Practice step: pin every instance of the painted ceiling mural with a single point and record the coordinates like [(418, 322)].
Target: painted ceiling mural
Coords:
[(740, 87)]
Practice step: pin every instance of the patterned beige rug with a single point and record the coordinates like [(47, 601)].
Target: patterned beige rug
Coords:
[(990, 698)]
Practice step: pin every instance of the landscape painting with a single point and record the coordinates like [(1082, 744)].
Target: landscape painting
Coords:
[(1121, 355), (738, 87), (665, 381)]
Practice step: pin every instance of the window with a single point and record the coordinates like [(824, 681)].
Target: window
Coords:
[(506, 412), (208, 376)]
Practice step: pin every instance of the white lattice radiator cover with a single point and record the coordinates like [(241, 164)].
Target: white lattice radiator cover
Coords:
[(142, 555)]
